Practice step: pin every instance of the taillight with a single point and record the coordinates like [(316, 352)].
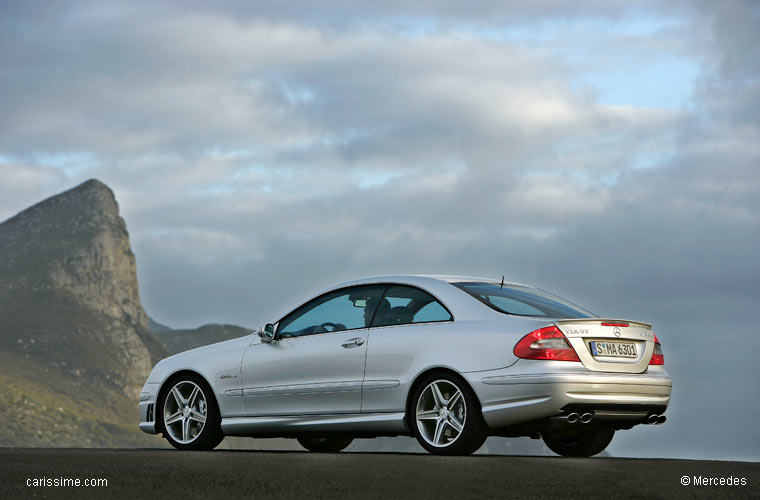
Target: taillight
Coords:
[(657, 357), (545, 343)]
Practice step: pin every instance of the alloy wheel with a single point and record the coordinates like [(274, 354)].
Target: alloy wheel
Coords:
[(441, 413), (185, 412)]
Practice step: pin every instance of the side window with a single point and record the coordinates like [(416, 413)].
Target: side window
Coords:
[(403, 305), (433, 311), (344, 309)]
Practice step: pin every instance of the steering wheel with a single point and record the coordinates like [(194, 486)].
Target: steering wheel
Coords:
[(335, 326)]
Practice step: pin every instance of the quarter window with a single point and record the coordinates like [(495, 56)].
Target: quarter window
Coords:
[(402, 305)]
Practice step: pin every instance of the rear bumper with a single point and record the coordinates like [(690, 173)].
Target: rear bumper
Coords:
[(509, 398)]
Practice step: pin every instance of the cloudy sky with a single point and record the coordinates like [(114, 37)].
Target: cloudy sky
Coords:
[(608, 152)]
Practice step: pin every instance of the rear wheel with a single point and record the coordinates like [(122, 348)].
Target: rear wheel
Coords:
[(447, 417), (324, 444), (586, 443), (189, 415)]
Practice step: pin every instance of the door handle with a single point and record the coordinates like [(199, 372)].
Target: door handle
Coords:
[(355, 342)]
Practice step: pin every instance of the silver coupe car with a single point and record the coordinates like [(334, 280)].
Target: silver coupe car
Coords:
[(449, 360)]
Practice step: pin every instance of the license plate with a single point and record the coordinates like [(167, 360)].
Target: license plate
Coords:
[(614, 349)]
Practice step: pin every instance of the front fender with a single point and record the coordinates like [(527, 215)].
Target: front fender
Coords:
[(219, 364)]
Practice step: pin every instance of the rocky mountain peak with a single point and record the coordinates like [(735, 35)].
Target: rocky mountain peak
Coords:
[(75, 242), (90, 201), (69, 296)]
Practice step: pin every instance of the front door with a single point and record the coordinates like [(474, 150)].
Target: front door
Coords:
[(315, 364)]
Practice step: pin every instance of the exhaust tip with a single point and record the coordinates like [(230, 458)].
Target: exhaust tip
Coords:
[(661, 419), (653, 419), (586, 418), (572, 418)]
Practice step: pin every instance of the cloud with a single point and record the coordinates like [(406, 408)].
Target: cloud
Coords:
[(125, 85)]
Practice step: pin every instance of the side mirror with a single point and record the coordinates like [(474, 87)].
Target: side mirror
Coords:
[(266, 333)]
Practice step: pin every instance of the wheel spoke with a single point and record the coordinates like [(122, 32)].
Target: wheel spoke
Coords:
[(178, 397), (455, 423), (186, 429), (194, 415), (454, 399), (437, 396), (439, 425), (193, 395), (427, 415), (173, 418)]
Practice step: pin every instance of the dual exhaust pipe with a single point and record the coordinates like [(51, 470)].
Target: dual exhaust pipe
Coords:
[(574, 418), (655, 419), (585, 418)]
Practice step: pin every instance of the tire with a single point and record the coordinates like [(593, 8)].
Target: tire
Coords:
[(189, 407), (324, 445), (446, 417), (584, 444)]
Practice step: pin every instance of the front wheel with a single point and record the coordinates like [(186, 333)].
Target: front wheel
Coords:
[(189, 415), (447, 419), (324, 445), (584, 444)]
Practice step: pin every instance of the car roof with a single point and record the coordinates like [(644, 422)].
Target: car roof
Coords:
[(412, 278)]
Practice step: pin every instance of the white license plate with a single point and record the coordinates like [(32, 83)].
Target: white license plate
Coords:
[(614, 349)]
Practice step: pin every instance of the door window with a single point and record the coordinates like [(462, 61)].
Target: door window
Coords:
[(345, 309)]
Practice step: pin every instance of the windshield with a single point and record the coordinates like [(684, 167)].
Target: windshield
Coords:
[(523, 301)]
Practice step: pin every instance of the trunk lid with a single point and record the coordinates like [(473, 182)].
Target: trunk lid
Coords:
[(610, 345)]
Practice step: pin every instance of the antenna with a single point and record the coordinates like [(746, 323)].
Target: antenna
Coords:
[(502, 282)]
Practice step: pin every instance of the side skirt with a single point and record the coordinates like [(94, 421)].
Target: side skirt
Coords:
[(371, 423)]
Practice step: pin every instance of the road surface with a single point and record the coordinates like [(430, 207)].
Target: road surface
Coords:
[(144, 473)]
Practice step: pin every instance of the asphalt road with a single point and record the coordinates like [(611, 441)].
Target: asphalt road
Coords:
[(143, 474)]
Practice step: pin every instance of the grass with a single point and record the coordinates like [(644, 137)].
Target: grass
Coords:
[(61, 411)]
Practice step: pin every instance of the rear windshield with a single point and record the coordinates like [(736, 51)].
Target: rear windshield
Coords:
[(523, 301)]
